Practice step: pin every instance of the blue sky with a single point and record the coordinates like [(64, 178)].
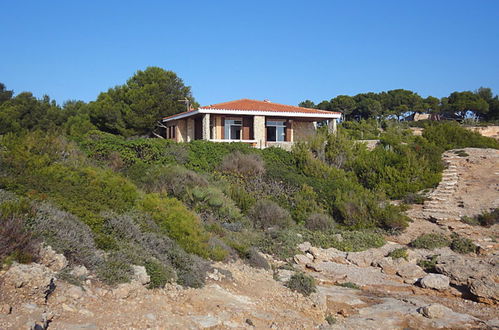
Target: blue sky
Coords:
[(285, 51)]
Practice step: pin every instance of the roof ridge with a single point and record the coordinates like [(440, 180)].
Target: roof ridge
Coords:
[(216, 105)]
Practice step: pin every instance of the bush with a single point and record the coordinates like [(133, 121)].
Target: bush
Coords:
[(266, 213), (256, 260), (243, 164), (450, 135), (330, 319), (349, 285), (66, 234), (16, 242), (462, 245), (114, 270), (302, 283), (281, 243), (319, 221), (158, 273), (489, 218), (348, 241), (414, 198), (430, 241), (175, 220), (429, 264), (305, 204), (399, 253)]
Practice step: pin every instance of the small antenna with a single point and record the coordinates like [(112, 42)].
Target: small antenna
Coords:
[(187, 103)]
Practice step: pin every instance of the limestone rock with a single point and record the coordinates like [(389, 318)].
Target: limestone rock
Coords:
[(434, 311), (51, 259), (140, 275), (435, 281), (74, 292), (5, 309), (485, 289), (460, 268), (283, 275), (410, 271), (79, 271), (302, 259), (127, 290), (32, 280), (304, 247)]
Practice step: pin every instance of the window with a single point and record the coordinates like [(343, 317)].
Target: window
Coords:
[(170, 132), (233, 129), (276, 130)]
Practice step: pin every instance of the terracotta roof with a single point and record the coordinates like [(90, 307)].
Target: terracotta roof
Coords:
[(254, 105), (247, 104)]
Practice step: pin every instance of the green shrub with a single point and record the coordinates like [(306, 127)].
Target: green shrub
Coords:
[(319, 221), (266, 213), (461, 153), (178, 222), (450, 135), (414, 198), (305, 204), (330, 319), (462, 245), (349, 285), (399, 253), (158, 273), (473, 221), (16, 242), (430, 241), (281, 243), (349, 241), (302, 283), (488, 219), (241, 197), (114, 271), (429, 264)]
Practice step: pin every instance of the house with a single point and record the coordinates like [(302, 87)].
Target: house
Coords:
[(259, 123)]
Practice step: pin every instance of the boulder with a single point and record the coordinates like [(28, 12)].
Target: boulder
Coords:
[(74, 292), (80, 272), (33, 281), (304, 247), (51, 259), (5, 309), (460, 268), (302, 259), (434, 311), (435, 281), (409, 271), (127, 290), (485, 289), (140, 275), (283, 275)]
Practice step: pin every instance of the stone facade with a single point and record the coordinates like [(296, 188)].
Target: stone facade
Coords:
[(190, 130), (206, 126), (181, 131), (259, 131)]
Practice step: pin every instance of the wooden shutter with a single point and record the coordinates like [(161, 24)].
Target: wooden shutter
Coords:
[(289, 130), (247, 123), (223, 128)]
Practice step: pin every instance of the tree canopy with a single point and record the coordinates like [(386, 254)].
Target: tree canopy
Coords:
[(398, 103), (135, 107)]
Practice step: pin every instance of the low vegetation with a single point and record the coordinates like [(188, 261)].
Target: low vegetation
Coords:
[(430, 242), (302, 283), (486, 219), (83, 180)]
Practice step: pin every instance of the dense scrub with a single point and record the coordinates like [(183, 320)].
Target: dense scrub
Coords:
[(108, 202)]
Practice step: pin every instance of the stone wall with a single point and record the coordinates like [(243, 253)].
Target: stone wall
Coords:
[(181, 130), (489, 131), (302, 130), (259, 130)]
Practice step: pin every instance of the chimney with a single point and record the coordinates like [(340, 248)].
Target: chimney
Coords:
[(267, 101)]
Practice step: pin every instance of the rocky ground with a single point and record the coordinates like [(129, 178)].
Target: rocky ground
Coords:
[(357, 290)]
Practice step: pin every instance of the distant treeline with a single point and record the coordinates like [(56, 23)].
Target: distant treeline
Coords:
[(480, 104)]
